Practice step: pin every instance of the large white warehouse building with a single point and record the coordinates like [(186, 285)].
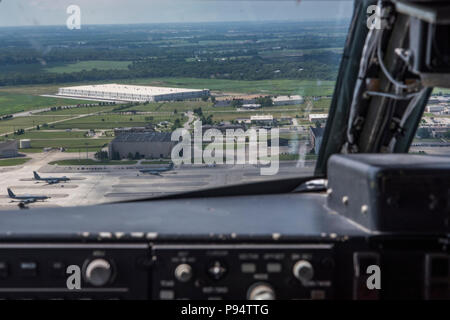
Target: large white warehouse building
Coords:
[(120, 92)]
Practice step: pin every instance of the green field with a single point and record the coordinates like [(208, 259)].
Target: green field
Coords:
[(16, 102), (71, 145), (79, 110), (90, 162), (49, 134), (111, 121), (181, 106), (441, 91), (74, 141), (156, 162), (27, 122), (88, 65), (65, 67), (13, 162), (291, 157), (275, 87)]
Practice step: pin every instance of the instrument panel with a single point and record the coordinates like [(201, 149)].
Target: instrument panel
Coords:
[(218, 271)]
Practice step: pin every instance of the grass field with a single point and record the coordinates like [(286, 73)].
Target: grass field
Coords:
[(275, 87), (90, 162), (156, 162), (13, 162), (79, 110), (71, 145), (291, 157), (111, 121), (441, 91), (27, 122), (17, 102), (88, 65), (43, 134), (57, 67), (181, 106)]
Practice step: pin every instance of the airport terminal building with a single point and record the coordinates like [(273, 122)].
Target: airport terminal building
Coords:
[(129, 93), (149, 145)]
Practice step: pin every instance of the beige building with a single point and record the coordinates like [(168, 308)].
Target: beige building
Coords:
[(287, 100), (121, 92), (8, 149), (318, 117), (148, 145)]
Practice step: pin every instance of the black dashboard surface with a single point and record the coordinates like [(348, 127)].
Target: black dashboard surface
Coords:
[(267, 216)]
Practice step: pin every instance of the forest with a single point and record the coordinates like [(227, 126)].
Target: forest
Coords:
[(271, 51)]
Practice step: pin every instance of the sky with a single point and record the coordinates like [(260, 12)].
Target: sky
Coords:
[(53, 12)]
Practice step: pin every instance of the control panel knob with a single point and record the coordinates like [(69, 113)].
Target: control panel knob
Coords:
[(217, 270), (183, 272), (303, 270), (261, 291), (98, 272)]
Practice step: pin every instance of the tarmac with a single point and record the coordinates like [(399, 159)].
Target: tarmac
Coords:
[(91, 185)]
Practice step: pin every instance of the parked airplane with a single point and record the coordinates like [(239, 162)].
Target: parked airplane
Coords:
[(25, 199), (157, 171), (50, 180)]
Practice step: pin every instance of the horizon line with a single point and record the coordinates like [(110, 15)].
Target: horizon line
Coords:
[(184, 22)]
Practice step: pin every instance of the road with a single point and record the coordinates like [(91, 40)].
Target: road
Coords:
[(191, 119), (29, 113)]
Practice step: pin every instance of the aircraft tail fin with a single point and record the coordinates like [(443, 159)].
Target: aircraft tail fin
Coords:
[(36, 176), (11, 194)]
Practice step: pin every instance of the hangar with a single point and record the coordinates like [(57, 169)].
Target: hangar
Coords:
[(149, 145), (129, 93), (8, 149)]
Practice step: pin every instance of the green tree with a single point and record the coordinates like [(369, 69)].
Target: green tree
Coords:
[(236, 103), (101, 155), (265, 101), (176, 124)]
